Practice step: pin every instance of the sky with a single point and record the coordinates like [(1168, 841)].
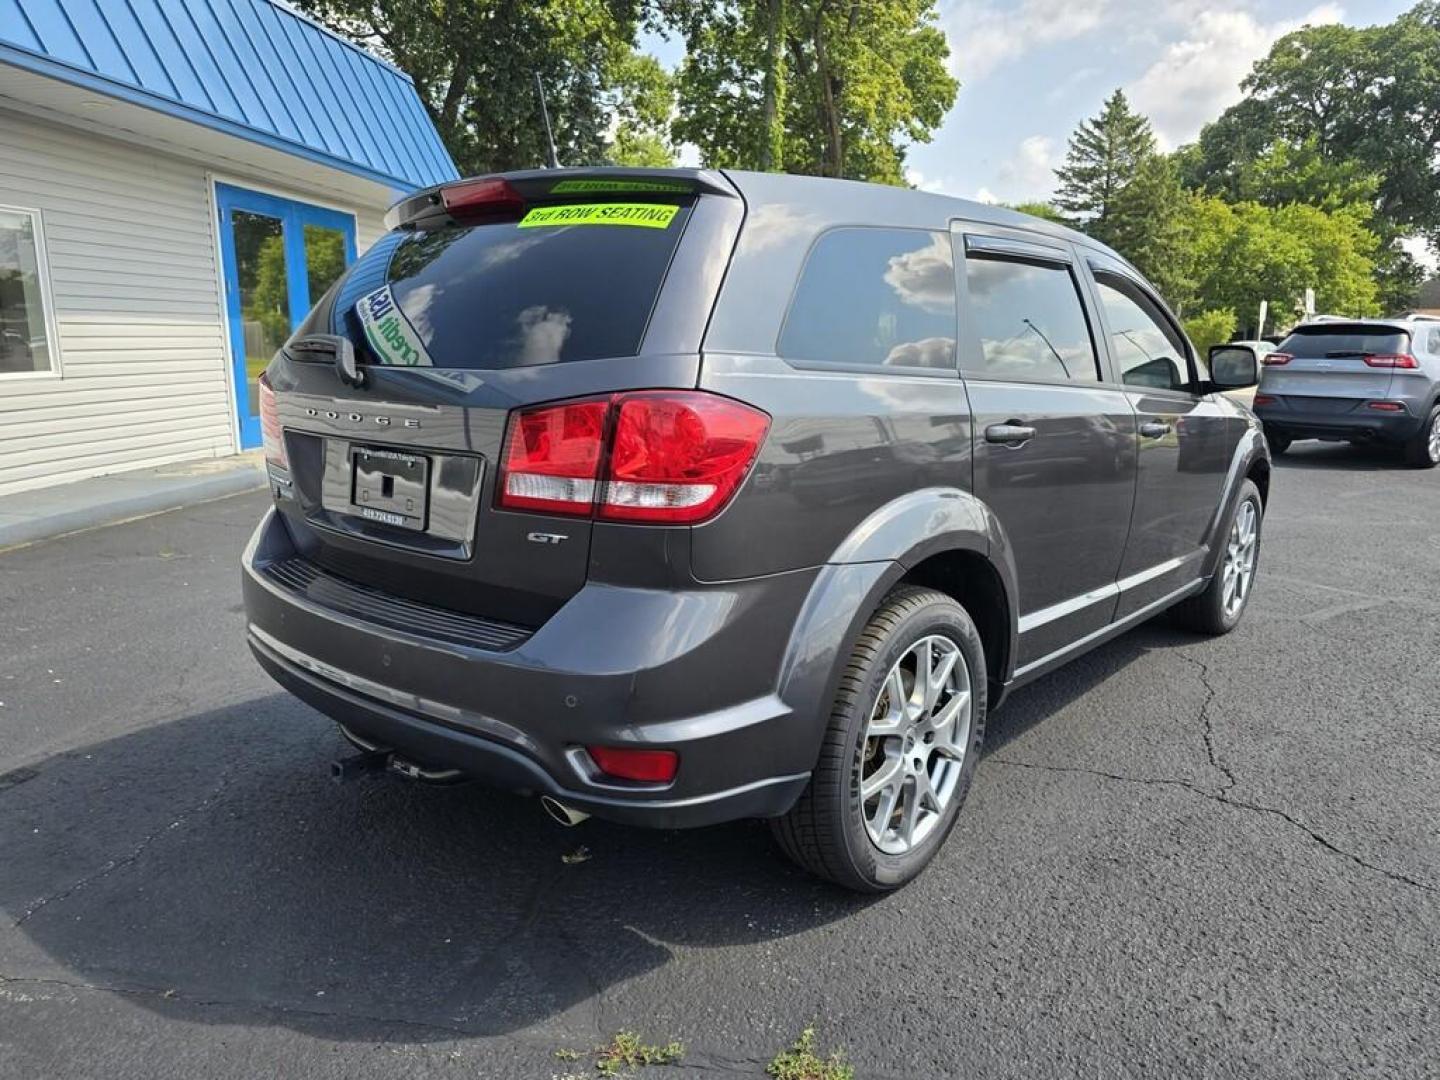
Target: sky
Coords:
[(1031, 70)]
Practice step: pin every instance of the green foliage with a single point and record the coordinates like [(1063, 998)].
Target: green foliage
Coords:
[(1042, 210), (1104, 154), (802, 1062), (812, 86), (1148, 223), (626, 1051), (1210, 328), (474, 63), (1363, 99)]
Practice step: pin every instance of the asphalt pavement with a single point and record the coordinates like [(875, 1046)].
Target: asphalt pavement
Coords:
[(1181, 856)]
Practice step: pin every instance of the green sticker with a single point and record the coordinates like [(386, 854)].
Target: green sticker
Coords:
[(389, 332), (573, 187), (642, 215)]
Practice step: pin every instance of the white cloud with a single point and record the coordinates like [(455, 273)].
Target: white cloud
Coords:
[(918, 180), (985, 195), (984, 35), (1199, 76), (1029, 173)]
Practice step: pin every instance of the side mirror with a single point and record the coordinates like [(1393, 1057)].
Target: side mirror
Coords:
[(1233, 367)]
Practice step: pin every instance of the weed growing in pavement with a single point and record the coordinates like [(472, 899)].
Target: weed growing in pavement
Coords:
[(801, 1062)]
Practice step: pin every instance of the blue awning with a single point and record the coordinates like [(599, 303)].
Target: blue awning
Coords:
[(251, 68)]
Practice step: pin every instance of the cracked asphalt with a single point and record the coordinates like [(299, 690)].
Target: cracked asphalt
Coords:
[(1181, 856)]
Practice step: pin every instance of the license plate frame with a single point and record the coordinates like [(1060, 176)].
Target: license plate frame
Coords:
[(391, 487)]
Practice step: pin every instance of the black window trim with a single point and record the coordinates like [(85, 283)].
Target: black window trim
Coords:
[(1107, 268), (1008, 249), (851, 368)]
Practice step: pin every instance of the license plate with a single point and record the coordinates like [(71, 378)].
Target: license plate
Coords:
[(390, 487)]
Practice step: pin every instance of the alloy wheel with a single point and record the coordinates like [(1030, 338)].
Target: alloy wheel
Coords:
[(915, 744), (1240, 550), (1433, 443)]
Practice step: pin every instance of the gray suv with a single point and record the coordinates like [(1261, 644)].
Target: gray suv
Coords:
[(681, 496), (1373, 380)]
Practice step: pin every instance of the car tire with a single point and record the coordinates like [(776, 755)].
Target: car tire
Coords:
[(1423, 451), (1278, 440), (857, 839), (1215, 611)]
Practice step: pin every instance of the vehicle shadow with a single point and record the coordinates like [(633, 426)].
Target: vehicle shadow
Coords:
[(1314, 454), (210, 868), (212, 860)]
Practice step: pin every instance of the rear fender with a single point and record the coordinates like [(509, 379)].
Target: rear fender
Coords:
[(876, 556)]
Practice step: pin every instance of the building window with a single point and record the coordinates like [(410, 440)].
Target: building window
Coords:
[(881, 298), (26, 347)]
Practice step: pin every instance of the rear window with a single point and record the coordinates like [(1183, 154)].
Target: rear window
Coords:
[(1316, 342), (549, 288)]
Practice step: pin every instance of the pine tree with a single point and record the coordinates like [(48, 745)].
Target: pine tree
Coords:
[(1104, 155)]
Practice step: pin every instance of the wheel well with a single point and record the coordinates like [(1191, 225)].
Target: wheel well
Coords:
[(970, 579), (1259, 474)]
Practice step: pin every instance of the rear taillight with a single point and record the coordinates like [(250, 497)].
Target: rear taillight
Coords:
[(646, 766), (1392, 360), (669, 457), (552, 458), (272, 437), (1276, 359), (1387, 406), (480, 197)]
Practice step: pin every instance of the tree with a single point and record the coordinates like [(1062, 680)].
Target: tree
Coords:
[(1367, 98), (474, 64), (1210, 328), (1148, 223), (826, 87), (1103, 156), (1043, 210)]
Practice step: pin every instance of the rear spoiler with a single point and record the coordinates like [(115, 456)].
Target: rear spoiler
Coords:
[(509, 191)]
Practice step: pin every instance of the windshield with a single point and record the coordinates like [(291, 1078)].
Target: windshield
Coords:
[(548, 288)]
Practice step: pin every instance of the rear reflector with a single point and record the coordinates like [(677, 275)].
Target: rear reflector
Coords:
[(647, 766), (1387, 406), (1389, 360), (670, 457), (271, 435), (1264, 399), (1276, 359)]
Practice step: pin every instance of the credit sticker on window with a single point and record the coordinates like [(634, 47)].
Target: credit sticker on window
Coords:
[(388, 332), (580, 187), (641, 215)]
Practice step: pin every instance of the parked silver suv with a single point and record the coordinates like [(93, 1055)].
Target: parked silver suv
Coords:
[(1373, 380)]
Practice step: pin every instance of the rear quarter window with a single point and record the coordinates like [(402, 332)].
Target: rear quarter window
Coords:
[(875, 297), (506, 294)]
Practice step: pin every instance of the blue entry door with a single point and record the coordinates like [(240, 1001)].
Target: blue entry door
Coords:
[(279, 256)]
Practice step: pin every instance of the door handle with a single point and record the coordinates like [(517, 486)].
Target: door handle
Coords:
[(1155, 429), (1010, 433)]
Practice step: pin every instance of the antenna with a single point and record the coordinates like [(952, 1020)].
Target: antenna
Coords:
[(554, 159)]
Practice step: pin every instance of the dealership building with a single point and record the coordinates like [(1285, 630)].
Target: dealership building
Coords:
[(179, 180)]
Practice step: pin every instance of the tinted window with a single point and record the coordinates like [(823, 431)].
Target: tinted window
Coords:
[(1435, 341), (1148, 351), (875, 296), (1344, 339), (1030, 320), (504, 295), (24, 339)]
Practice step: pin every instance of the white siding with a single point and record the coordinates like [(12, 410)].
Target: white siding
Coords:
[(131, 246)]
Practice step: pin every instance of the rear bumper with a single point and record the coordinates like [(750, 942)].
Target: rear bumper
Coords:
[(1362, 422), (622, 667)]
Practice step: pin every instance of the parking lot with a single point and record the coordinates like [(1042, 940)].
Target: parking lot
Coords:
[(1180, 857)]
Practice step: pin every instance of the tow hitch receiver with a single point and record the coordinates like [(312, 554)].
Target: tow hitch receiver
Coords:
[(365, 763)]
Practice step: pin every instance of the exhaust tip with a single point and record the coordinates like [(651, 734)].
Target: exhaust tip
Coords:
[(565, 815)]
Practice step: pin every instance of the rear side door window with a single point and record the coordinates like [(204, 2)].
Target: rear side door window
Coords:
[(1030, 321), (1149, 353), (875, 298)]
